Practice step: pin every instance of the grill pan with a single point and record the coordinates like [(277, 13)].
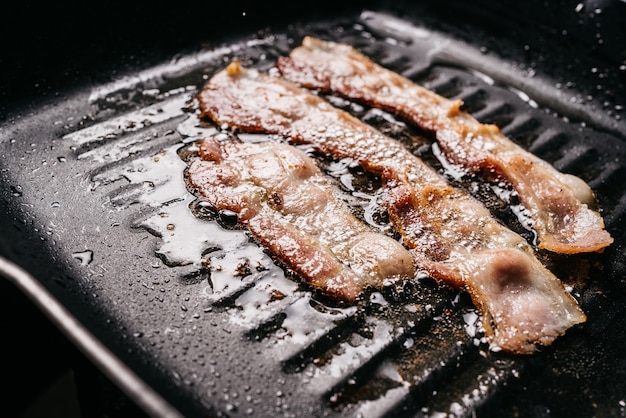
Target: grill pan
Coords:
[(96, 220)]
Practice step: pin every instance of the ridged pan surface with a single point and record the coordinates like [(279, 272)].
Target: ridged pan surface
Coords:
[(205, 316)]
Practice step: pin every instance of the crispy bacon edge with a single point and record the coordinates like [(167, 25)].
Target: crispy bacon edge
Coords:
[(558, 203), (251, 102), (216, 176)]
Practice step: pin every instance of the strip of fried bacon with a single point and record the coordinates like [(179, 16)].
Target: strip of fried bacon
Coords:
[(558, 204), (450, 235), (286, 203)]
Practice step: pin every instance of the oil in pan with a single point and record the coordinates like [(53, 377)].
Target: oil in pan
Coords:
[(250, 340)]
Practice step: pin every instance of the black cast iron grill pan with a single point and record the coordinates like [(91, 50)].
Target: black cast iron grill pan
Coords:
[(93, 184)]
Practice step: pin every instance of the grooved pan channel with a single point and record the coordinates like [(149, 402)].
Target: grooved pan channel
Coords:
[(203, 315)]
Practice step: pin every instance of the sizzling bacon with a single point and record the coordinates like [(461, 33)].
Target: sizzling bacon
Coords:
[(281, 196), (450, 234), (558, 203)]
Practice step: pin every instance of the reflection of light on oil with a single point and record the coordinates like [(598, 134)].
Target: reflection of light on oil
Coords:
[(132, 121), (184, 237), (454, 171), (85, 257), (351, 354)]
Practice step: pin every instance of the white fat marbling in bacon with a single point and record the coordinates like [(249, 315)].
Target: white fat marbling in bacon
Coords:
[(558, 203), (281, 196), (450, 234)]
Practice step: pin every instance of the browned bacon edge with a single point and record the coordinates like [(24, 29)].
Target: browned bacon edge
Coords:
[(282, 198), (450, 234), (558, 203)]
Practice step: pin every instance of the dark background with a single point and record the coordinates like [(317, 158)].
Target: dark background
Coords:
[(55, 45)]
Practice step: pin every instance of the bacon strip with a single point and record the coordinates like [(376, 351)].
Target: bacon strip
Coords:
[(450, 234), (558, 203), (283, 199)]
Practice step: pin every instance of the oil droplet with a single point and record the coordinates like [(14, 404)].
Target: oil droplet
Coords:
[(85, 257), (17, 191)]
